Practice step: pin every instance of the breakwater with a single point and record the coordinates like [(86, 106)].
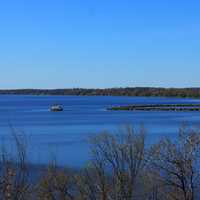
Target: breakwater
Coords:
[(157, 107)]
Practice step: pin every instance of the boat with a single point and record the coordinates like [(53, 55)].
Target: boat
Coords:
[(56, 108)]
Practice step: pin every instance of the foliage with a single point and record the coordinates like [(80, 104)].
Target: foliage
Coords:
[(130, 91)]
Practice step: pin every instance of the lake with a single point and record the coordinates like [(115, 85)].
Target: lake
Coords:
[(63, 135)]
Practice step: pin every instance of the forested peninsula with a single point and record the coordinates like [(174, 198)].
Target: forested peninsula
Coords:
[(129, 91)]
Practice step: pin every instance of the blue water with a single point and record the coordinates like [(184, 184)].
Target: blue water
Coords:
[(63, 135)]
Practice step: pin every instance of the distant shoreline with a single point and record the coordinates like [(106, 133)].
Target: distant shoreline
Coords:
[(129, 91)]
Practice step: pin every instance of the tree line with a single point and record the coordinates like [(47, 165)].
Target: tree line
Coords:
[(135, 91), (123, 166)]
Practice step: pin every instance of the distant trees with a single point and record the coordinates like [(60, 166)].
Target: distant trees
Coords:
[(122, 167), (136, 91)]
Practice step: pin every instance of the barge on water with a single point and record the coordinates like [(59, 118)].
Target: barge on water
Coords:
[(56, 108)]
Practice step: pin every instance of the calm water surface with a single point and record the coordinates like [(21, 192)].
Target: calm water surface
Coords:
[(63, 135)]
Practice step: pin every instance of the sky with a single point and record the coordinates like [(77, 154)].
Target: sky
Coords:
[(99, 43)]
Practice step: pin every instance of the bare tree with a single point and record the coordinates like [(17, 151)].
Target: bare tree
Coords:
[(118, 159), (178, 164), (14, 172)]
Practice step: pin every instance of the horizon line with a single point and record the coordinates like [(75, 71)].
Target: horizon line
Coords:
[(106, 88)]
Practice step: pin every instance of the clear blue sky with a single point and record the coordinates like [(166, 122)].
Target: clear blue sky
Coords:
[(99, 43)]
